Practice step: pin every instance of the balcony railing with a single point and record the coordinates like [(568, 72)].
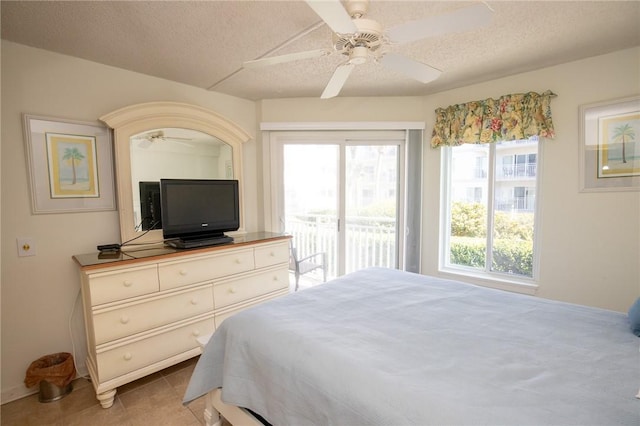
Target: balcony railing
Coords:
[(369, 241), (517, 171), (524, 204)]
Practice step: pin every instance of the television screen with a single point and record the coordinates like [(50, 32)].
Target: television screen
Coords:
[(197, 209)]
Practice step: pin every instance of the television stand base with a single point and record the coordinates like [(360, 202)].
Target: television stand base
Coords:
[(199, 242)]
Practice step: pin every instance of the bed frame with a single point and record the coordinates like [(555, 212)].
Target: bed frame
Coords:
[(216, 412)]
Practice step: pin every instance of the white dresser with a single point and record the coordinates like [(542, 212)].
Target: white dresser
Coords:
[(145, 309)]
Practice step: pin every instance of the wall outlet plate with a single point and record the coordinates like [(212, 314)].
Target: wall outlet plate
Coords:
[(26, 246)]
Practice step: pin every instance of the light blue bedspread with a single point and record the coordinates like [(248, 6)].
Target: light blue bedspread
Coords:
[(385, 347)]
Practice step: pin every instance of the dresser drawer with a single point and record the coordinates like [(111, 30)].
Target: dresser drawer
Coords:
[(133, 356), (221, 317), (180, 273), (132, 318), (106, 287), (272, 254), (237, 290)]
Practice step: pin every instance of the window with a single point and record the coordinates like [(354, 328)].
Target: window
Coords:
[(489, 203)]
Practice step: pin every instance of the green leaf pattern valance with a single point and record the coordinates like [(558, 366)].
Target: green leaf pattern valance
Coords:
[(511, 117)]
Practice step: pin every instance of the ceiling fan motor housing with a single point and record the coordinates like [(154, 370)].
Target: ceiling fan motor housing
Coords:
[(369, 37)]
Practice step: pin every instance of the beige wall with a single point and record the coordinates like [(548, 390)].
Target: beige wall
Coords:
[(590, 242), (39, 292), (343, 109)]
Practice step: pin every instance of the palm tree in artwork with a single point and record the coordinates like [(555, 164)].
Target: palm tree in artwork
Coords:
[(73, 157), (624, 133)]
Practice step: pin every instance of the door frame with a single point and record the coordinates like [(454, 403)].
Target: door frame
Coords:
[(274, 179)]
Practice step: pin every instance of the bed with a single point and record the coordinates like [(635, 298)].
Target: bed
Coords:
[(386, 347)]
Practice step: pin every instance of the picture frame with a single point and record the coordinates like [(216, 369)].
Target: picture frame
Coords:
[(70, 165), (610, 145)]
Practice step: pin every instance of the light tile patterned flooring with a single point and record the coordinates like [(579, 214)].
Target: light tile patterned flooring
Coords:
[(152, 400)]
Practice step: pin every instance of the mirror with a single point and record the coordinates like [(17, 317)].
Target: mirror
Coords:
[(168, 140), (172, 153)]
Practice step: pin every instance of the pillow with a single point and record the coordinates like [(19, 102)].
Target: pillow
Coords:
[(634, 317)]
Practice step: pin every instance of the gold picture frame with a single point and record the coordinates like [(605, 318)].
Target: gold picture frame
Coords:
[(610, 145), (70, 165)]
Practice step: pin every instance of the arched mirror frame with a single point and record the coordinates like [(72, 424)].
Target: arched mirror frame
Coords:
[(138, 118)]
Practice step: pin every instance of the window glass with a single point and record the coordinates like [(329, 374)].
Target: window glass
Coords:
[(490, 207)]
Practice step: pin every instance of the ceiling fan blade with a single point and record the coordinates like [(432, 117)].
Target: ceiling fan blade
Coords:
[(338, 79), (176, 138), (272, 60), (414, 69), (466, 19), (334, 14)]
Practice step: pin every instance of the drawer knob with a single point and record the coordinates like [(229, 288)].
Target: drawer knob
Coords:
[(196, 332), (194, 301), (275, 278), (124, 319), (127, 283), (232, 290), (272, 254), (183, 272), (238, 261), (127, 356)]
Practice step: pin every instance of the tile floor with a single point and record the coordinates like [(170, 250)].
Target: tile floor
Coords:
[(155, 399)]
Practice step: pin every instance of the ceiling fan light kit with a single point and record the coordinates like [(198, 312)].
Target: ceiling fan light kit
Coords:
[(360, 38), (358, 55), (154, 136)]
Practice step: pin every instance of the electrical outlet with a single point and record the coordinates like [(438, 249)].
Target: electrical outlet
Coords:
[(26, 246)]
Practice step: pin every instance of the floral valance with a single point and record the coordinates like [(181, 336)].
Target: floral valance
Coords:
[(511, 117)]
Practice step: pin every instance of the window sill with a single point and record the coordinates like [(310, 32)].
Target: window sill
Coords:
[(491, 281)]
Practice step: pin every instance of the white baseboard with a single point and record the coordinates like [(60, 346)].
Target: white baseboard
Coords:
[(17, 392), (20, 391)]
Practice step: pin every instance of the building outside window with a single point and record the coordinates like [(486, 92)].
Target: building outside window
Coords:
[(489, 207)]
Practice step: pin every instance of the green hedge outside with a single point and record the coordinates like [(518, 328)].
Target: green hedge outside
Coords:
[(509, 256), (512, 244)]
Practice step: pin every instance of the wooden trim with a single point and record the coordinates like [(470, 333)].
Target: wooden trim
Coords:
[(344, 125)]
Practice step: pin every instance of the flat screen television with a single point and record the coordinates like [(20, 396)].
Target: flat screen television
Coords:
[(197, 212), (150, 205)]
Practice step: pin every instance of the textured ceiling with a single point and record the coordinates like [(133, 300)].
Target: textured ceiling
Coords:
[(204, 43)]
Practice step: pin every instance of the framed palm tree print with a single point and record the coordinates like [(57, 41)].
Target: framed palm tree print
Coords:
[(73, 170), (70, 165), (610, 145)]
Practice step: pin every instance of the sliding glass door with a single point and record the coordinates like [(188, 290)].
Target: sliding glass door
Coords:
[(341, 196), (311, 202), (371, 206)]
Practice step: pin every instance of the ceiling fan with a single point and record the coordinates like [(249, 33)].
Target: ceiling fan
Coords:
[(148, 138), (362, 39)]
